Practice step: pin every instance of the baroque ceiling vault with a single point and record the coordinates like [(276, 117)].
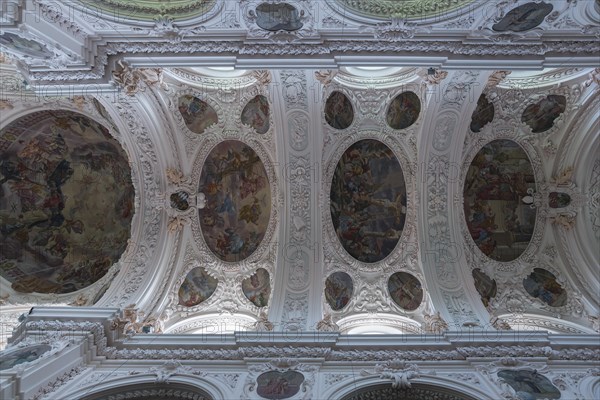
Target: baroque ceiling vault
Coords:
[(367, 167)]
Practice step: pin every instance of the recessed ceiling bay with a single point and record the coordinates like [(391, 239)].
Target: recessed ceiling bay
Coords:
[(67, 202)]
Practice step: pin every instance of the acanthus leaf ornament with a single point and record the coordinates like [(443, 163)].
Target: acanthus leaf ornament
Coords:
[(131, 79)]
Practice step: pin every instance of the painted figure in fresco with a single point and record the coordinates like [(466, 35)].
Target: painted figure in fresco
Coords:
[(338, 290), (21, 356), (197, 114), (405, 290), (483, 114), (24, 46), (338, 111), (543, 285), (196, 288), (559, 200), (403, 111), (524, 17), (486, 286), (256, 114), (529, 385), (257, 288), (541, 115), (277, 17), (277, 385)]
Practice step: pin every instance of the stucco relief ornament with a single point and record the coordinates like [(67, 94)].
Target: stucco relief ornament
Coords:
[(434, 78), (325, 76), (593, 77), (172, 368), (327, 324), (434, 323), (395, 30), (500, 324), (132, 321), (263, 323), (398, 372), (564, 221), (595, 321), (79, 301), (176, 177), (6, 105), (496, 77), (131, 79), (262, 76)]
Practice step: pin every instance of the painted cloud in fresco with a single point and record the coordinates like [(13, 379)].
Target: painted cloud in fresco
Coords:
[(238, 201), (66, 204)]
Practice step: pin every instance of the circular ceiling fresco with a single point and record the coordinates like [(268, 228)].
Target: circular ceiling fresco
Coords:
[(499, 178), (66, 202), (368, 200), (403, 8), (146, 10), (238, 200)]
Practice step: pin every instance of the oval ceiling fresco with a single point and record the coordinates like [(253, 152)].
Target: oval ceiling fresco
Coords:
[(67, 202), (338, 111), (257, 288), (403, 111), (523, 17), (256, 114), (238, 201), (543, 285), (197, 114), (196, 288), (338, 290), (483, 114), (541, 115), (405, 290), (368, 200), (499, 222)]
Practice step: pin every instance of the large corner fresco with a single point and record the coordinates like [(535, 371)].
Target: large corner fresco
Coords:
[(403, 111), (66, 202), (11, 358), (238, 201), (542, 284), (529, 385), (541, 115), (524, 17), (197, 287), (497, 182), (368, 200)]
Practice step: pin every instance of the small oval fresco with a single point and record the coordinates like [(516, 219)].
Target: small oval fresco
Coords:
[(238, 201), (197, 114), (256, 114), (483, 114), (529, 385), (24, 46), (338, 111), (338, 290), (257, 288), (403, 111), (542, 284), (67, 202), (541, 115), (405, 290), (278, 17), (197, 287), (279, 385), (486, 286), (11, 358), (180, 200), (368, 200), (559, 199), (500, 223), (523, 17)]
